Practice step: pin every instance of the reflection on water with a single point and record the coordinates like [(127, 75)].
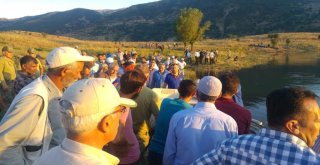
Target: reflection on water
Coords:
[(288, 70)]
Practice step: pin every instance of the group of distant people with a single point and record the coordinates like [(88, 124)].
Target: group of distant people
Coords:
[(202, 56), (162, 74), (83, 111)]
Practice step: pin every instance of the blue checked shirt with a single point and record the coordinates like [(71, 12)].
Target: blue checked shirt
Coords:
[(268, 147)]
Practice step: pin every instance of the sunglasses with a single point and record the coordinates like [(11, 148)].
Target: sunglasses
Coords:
[(121, 109)]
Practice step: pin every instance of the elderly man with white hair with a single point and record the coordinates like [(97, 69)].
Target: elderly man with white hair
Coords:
[(90, 123), (26, 129), (196, 131)]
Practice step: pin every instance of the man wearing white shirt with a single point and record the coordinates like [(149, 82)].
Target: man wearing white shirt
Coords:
[(90, 123), (32, 121), (196, 131)]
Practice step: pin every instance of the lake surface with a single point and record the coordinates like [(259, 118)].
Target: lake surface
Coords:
[(284, 70)]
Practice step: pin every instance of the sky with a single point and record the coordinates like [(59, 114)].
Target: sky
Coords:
[(21, 8)]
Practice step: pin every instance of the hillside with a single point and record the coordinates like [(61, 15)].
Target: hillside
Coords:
[(155, 21)]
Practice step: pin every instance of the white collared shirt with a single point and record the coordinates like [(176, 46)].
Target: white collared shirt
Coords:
[(196, 131), (74, 153)]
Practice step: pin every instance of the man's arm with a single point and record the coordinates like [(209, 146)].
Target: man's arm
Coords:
[(153, 81), (3, 83), (170, 148), (17, 124)]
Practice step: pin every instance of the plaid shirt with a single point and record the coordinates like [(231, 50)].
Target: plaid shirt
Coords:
[(268, 147)]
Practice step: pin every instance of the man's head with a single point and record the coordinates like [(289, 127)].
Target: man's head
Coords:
[(7, 51), (113, 69), (152, 63), (131, 82), (294, 110), (128, 66), (175, 68), (187, 88), (29, 65), (91, 108), (64, 65), (144, 68), (31, 52), (230, 83), (86, 71), (101, 58), (209, 89), (162, 67)]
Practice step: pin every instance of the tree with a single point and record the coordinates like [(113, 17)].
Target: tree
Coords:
[(188, 26), (274, 39), (287, 42)]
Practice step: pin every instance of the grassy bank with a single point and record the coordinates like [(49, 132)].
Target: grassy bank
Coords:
[(250, 50)]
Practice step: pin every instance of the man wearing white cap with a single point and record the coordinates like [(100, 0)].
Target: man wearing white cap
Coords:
[(26, 129), (90, 123), (195, 131)]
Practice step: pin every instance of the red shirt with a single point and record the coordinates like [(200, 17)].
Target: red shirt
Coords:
[(241, 115)]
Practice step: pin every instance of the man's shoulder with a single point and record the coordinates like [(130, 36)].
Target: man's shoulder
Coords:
[(225, 117), (183, 114)]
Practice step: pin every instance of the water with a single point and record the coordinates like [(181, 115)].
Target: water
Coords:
[(286, 70)]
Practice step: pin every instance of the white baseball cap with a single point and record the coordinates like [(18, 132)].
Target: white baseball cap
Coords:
[(110, 60), (63, 56), (92, 96), (210, 86)]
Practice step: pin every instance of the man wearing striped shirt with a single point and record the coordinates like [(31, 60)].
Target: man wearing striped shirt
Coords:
[(294, 122)]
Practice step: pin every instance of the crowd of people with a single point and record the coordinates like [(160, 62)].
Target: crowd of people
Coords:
[(104, 111)]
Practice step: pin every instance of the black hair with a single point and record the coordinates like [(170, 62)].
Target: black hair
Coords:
[(205, 98), (187, 88), (27, 59), (230, 83), (285, 104), (131, 81)]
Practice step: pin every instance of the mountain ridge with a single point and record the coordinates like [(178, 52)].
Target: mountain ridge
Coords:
[(155, 21)]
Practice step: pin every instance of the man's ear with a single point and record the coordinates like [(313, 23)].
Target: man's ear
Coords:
[(63, 72), (293, 127), (138, 90), (23, 66), (104, 123)]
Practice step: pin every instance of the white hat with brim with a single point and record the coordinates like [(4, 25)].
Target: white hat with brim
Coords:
[(65, 55), (93, 96)]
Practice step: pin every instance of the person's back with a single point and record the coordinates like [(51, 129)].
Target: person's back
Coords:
[(147, 106), (230, 83), (168, 108), (293, 127), (198, 130), (241, 115), (267, 147)]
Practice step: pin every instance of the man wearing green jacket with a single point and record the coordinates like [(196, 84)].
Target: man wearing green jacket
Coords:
[(7, 75)]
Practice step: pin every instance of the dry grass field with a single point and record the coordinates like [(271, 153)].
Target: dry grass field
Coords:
[(250, 50)]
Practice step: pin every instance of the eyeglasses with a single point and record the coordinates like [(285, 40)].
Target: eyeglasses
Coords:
[(121, 109)]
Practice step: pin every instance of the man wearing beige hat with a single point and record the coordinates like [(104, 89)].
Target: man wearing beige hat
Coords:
[(91, 122), (26, 129), (7, 75), (195, 131)]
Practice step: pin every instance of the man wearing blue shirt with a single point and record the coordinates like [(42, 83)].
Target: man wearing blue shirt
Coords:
[(159, 77), (168, 108), (174, 78), (198, 130)]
